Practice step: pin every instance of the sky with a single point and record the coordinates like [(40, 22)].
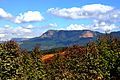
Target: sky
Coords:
[(31, 18)]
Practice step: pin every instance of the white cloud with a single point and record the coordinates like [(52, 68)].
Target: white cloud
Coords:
[(29, 27), (87, 11), (101, 27), (108, 27), (7, 26), (53, 25), (97, 7), (30, 16), (7, 32), (104, 26), (77, 27), (110, 17), (104, 17), (4, 14), (22, 30), (2, 35)]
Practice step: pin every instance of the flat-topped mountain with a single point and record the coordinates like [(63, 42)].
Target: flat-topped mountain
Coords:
[(68, 34), (61, 38)]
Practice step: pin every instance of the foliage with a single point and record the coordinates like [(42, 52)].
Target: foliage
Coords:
[(16, 64), (8, 60), (99, 60)]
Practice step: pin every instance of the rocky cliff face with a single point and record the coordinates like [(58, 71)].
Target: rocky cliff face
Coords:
[(87, 34), (48, 34), (69, 34)]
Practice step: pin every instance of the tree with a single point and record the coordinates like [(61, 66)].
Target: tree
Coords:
[(8, 60)]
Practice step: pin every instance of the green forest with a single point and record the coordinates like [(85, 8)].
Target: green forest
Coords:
[(98, 60)]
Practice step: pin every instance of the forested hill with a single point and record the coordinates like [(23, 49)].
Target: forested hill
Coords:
[(63, 38)]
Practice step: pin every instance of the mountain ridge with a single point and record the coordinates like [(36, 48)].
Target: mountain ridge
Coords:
[(62, 38)]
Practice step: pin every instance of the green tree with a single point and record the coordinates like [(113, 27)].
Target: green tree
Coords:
[(8, 60)]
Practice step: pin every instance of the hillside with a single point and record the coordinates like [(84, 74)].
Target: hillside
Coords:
[(61, 38), (19, 39)]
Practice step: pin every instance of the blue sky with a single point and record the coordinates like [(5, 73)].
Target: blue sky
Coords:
[(30, 18)]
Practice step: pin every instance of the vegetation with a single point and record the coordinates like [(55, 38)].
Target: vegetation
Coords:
[(16, 64), (98, 60)]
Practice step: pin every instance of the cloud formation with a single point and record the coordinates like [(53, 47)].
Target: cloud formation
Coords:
[(112, 16), (53, 25), (77, 27), (97, 27), (7, 32), (87, 11), (30, 16), (26, 17), (4, 14), (104, 17)]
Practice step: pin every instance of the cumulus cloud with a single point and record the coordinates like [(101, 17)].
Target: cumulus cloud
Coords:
[(77, 27), (87, 11), (97, 7), (112, 16), (30, 16), (102, 27), (4, 14), (104, 17), (7, 32)]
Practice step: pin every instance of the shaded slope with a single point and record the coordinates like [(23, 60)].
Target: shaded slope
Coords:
[(61, 38)]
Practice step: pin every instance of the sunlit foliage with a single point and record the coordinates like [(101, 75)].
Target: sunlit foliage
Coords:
[(99, 60)]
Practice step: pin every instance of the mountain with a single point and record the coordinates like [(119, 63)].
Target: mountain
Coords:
[(64, 34), (61, 38), (19, 39), (116, 34)]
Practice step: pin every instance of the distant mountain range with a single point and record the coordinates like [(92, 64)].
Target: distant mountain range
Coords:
[(62, 38), (19, 39)]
